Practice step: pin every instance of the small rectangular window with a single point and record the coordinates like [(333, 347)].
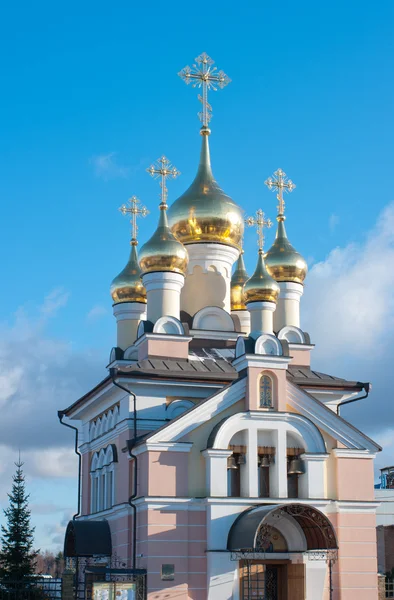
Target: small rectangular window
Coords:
[(167, 572)]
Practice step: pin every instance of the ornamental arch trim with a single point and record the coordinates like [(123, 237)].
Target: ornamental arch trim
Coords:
[(316, 527), (260, 420)]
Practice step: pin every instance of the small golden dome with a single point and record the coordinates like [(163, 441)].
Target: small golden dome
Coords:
[(261, 287), (283, 262), (127, 286), (238, 280), (204, 213), (163, 252)]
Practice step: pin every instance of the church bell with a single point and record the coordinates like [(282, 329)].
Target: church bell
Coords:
[(264, 461), (296, 466), (231, 462)]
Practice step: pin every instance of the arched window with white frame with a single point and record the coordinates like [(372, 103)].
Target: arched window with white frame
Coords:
[(266, 392), (102, 475)]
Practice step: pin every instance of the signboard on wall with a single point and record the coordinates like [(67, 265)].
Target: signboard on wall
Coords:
[(112, 590)]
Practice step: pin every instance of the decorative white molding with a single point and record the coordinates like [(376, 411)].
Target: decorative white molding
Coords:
[(315, 457), (150, 446), (213, 318), (294, 335), (290, 290), (177, 407), (212, 452), (124, 311), (206, 256), (268, 344), (168, 326), (328, 421), (167, 337), (163, 280), (348, 453), (271, 421), (263, 361), (203, 334)]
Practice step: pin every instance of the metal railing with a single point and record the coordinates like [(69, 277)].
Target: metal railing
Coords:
[(35, 588)]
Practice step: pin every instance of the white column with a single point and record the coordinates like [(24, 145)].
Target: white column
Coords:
[(261, 317), (128, 315), (241, 320), (278, 483), (315, 578), (216, 471), (249, 471), (163, 291), (312, 482), (288, 307), (208, 277)]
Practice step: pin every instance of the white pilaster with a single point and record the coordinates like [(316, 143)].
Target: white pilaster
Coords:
[(163, 290), (278, 483), (288, 307), (128, 315), (249, 472), (208, 277), (312, 482), (216, 471), (261, 317), (241, 320)]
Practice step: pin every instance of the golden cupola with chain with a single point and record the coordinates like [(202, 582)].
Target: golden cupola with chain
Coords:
[(261, 291), (283, 261), (163, 258), (127, 290), (205, 213), (204, 217)]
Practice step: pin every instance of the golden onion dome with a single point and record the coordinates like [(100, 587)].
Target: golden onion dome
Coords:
[(204, 213), (261, 287), (238, 280), (163, 252), (283, 262), (127, 286)]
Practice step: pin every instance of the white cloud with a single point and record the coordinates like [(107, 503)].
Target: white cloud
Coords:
[(348, 309), (106, 166), (96, 312)]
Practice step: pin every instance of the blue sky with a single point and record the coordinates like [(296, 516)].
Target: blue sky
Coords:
[(90, 97)]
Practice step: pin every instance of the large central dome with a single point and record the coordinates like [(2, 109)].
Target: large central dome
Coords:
[(204, 213)]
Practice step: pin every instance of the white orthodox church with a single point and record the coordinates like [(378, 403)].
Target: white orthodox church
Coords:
[(213, 457)]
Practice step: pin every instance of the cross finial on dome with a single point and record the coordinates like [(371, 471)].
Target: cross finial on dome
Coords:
[(281, 183), (162, 169), (135, 209), (260, 222), (204, 74)]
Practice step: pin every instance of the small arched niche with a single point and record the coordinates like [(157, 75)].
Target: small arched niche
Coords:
[(213, 318)]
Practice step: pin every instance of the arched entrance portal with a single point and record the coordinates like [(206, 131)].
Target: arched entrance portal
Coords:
[(274, 543)]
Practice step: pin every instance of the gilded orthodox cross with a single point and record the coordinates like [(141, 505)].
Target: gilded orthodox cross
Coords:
[(281, 183), (135, 209), (161, 170), (204, 74), (260, 222)]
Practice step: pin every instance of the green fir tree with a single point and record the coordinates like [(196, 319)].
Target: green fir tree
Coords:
[(17, 557)]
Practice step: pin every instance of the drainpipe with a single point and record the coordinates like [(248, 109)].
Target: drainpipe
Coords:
[(61, 415), (130, 444), (365, 386)]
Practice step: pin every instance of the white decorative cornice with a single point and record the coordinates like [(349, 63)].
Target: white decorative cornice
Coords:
[(262, 361), (349, 453), (216, 452), (150, 446)]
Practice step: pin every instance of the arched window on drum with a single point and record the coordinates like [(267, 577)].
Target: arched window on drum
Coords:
[(266, 392)]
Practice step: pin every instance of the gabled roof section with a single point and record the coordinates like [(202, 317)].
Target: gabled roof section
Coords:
[(305, 377), (326, 420)]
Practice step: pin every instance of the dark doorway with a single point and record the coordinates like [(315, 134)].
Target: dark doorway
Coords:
[(259, 581)]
